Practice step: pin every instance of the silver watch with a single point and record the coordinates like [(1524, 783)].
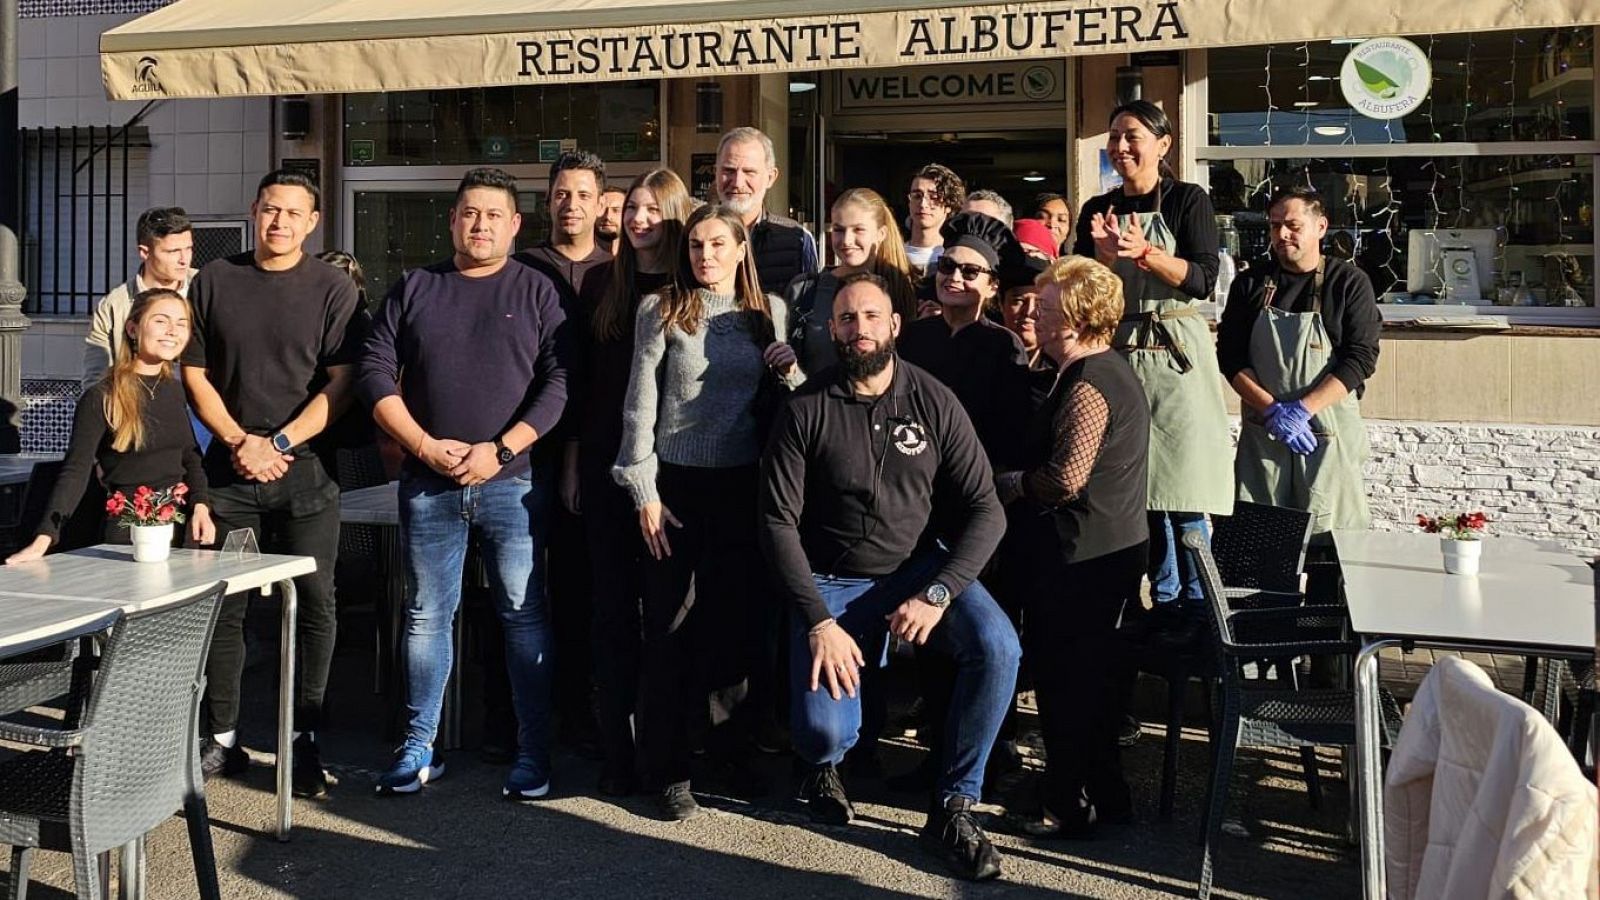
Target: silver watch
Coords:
[(937, 595)]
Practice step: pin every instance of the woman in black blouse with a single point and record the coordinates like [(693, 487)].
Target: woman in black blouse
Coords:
[(135, 425), (1081, 491)]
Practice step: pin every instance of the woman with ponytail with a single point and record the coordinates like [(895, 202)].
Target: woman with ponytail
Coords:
[(134, 424)]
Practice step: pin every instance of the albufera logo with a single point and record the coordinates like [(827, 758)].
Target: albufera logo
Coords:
[(144, 72), (1385, 78)]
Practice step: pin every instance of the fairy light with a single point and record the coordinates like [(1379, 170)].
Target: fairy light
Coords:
[(1463, 211), (1266, 86), (1306, 102)]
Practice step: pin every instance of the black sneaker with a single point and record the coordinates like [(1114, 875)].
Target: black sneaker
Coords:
[(677, 804), (953, 835), (308, 778), (216, 759), (823, 794)]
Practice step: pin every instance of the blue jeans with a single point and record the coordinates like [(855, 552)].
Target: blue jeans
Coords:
[(1173, 572), (974, 632), (509, 516)]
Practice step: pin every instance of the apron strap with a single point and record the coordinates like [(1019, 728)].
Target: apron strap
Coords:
[(1269, 286), (1154, 324)]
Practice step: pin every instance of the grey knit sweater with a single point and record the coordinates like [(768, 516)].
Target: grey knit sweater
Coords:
[(690, 395)]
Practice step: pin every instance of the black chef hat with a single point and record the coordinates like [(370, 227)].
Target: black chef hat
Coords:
[(1027, 270), (995, 242)]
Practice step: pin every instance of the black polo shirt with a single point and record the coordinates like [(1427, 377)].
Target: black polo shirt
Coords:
[(849, 485)]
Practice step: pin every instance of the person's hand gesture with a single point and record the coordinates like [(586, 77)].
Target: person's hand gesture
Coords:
[(836, 661), (654, 517)]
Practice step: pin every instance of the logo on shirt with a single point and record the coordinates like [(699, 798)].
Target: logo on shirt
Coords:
[(909, 438)]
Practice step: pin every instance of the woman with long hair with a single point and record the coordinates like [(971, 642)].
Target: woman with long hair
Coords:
[(864, 238), (653, 213), (1077, 503), (1159, 235), (705, 351), (134, 424)]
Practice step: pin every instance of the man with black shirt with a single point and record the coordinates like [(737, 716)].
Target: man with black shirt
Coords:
[(608, 225), (1298, 339), (269, 367), (581, 269), (482, 348), (747, 168), (860, 461)]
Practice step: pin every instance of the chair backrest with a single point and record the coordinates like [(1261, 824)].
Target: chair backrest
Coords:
[(359, 467), (1261, 547), (139, 750), (1211, 588)]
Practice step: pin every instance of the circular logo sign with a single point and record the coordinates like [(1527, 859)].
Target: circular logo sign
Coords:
[(1038, 83), (1385, 78)]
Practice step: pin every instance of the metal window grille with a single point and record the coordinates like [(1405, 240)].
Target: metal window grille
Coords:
[(219, 238)]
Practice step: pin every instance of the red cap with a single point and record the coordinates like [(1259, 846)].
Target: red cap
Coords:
[(1036, 234)]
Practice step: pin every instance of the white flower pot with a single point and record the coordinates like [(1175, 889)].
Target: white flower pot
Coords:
[(151, 543), (1461, 557)]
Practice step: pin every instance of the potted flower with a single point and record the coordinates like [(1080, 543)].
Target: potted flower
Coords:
[(1458, 539), (149, 516)]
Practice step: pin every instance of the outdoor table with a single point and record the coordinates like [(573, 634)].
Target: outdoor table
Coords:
[(29, 622), (1530, 598), (105, 579), (16, 467)]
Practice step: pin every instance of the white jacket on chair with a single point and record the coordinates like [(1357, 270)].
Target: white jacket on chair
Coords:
[(1482, 799)]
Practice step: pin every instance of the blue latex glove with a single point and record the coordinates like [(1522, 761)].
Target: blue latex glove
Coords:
[(1302, 440), (1291, 415), (1278, 424)]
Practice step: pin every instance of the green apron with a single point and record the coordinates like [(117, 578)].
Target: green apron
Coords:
[(1166, 340), (1291, 354)]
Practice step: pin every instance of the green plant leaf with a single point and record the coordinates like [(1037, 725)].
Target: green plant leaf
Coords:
[(1375, 80)]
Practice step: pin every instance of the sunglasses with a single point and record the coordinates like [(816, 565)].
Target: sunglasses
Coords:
[(969, 271)]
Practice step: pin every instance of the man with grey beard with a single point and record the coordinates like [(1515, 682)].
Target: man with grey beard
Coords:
[(746, 168)]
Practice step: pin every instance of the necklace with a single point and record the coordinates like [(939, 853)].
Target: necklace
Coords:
[(149, 388)]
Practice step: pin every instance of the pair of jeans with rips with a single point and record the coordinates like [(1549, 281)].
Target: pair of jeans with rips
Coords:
[(974, 632), (509, 517)]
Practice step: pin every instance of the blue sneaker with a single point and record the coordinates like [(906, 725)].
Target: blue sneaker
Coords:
[(413, 767), (527, 781)]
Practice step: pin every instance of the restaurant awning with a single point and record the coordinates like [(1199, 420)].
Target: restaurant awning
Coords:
[(208, 48)]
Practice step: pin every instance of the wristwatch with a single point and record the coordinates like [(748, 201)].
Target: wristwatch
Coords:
[(503, 453), (937, 595), (281, 443)]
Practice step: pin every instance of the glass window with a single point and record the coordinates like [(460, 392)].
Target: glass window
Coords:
[(1530, 85), (1533, 216), (400, 230), (503, 125)]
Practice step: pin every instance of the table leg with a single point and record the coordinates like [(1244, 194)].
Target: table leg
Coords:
[(130, 874), (286, 710), (1369, 769)]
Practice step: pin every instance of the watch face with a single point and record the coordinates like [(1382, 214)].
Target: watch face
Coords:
[(938, 594), (506, 455)]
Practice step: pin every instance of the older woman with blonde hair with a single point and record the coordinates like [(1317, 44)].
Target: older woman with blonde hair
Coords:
[(1083, 475)]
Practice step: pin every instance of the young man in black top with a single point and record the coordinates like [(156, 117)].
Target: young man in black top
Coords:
[(269, 367), (859, 462)]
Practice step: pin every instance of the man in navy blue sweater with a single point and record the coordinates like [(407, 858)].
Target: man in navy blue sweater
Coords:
[(482, 347)]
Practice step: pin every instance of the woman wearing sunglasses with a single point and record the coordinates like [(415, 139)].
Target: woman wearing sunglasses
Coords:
[(1159, 236)]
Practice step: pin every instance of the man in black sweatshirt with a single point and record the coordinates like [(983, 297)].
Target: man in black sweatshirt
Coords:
[(858, 463), (481, 344)]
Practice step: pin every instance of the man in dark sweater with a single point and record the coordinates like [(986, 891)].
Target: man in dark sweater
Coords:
[(581, 271), (268, 367), (746, 168), (481, 345), (859, 463), (1297, 341)]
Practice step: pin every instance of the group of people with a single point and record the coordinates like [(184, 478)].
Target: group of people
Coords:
[(724, 479)]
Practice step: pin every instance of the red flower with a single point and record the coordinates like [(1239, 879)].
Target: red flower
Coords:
[(116, 504), (165, 513), (143, 491), (180, 489), (141, 508)]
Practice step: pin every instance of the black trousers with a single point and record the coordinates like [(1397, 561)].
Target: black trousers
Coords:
[(616, 554), (298, 515), (1072, 612), (571, 616), (697, 623)]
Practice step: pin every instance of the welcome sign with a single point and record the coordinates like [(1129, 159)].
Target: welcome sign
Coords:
[(203, 48)]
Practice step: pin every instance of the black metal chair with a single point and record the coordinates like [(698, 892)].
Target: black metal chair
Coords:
[(132, 763), (1259, 551), (1250, 715)]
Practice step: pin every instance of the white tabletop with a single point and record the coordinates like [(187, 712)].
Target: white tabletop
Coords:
[(28, 622), (16, 467), (108, 572), (376, 505), (1526, 594)]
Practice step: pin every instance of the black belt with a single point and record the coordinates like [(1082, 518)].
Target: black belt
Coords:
[(1155, 323)]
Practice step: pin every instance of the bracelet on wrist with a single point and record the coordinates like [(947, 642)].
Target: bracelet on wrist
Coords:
[(820, 627)]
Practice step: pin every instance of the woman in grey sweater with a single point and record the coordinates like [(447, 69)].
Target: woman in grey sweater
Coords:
[(702, 360)]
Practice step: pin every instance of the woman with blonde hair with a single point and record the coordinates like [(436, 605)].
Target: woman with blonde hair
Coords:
[(705, 350), (1081, 490), (864, 238), (654, 210), (134, 424)]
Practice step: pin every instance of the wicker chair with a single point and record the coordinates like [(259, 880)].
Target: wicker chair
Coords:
[(1258, 551), (132, 763), (1269, 717)]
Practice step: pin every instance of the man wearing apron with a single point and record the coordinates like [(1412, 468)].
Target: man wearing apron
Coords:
[(1169, 345), (1298, 339)]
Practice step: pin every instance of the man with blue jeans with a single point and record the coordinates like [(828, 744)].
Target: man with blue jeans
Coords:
[(482, 349), (861, 460)]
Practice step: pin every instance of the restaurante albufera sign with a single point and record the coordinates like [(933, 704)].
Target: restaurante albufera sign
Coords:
[(202, 48)]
